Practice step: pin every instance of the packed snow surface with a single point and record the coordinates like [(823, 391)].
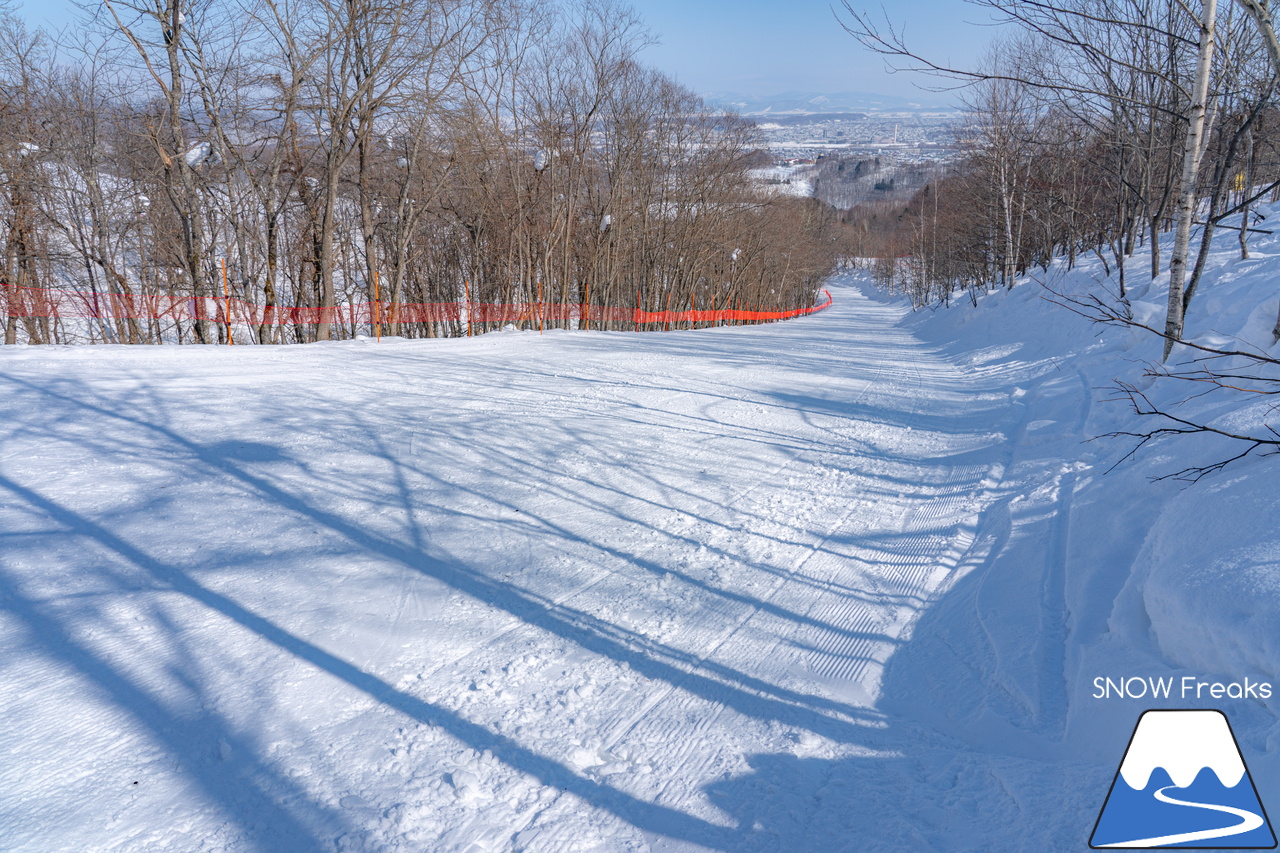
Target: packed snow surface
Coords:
[(839, 583)]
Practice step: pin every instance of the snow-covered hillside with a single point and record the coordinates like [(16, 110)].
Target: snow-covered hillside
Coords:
[(839, 583)]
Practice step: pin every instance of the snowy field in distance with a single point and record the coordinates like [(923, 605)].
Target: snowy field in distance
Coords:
[(840, 583)]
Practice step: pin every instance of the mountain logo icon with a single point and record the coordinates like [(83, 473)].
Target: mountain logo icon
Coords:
[(1183, 783)]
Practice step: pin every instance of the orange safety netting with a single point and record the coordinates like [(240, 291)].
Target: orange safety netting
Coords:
[(58, 303)]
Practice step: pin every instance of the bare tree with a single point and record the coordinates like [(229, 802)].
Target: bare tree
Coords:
[(22, 65), (1193, 150), (496, 151)]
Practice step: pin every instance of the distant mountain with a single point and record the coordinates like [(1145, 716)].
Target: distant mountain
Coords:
[(806, 103)]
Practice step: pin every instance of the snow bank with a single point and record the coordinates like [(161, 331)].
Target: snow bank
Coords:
[(1209, 578), (1161, 577)]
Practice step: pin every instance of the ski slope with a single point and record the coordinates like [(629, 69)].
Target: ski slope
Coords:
[(803, 586)]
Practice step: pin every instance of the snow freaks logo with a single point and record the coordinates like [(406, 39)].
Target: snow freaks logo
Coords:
[(1183, 783), (1188, 687)]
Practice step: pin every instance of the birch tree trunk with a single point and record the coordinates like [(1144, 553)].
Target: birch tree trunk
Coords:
[(1191, 153), (1266, 27)]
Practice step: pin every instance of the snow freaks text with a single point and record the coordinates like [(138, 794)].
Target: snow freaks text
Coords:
[(1186, 687)]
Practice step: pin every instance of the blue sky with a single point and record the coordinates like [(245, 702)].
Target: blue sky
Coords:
[(763, 48), (759, 47)]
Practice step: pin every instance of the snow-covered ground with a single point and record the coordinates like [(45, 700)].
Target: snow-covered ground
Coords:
[(839, 583), (785, 180)]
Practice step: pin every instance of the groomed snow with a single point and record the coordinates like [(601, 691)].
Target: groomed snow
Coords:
[(839, 583)]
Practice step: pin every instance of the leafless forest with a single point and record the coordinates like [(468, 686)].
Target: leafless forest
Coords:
[(302, 156), (1095, 126)]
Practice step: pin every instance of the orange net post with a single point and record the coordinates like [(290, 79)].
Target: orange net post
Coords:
[(226, 303)]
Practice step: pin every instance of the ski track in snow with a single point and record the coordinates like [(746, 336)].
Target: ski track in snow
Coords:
[(519, 592)]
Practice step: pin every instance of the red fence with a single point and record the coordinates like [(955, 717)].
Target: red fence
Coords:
[(77, 304)]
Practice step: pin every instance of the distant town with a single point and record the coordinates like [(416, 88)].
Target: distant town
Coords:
[(854, 158), (908, 136)]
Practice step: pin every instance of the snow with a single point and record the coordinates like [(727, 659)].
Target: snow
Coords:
[(784, 180), (838, 583), (198, 154)]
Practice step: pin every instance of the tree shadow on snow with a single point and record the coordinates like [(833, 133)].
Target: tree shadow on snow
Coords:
[(790, 802), (978, 752), (272, 810)]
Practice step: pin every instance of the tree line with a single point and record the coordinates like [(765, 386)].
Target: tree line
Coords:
[(1094, 127), (1098, 127), (321, 153)]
